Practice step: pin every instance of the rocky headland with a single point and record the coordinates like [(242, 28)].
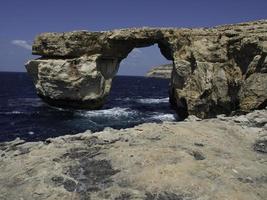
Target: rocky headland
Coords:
[(215, 70), (161, 71), (220, 158)]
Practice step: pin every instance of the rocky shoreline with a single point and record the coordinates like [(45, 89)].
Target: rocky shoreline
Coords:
[(220, 158), (217, 70)]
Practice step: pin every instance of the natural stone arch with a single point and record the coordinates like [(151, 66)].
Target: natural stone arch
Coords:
[(82, 77), (209, 76)]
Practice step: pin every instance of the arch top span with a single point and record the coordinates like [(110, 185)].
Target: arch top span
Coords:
[(216, 70), (117, 43)]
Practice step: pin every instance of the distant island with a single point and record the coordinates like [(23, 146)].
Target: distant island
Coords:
[(161, 71)]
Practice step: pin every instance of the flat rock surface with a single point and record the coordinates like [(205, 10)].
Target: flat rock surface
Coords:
[(222, 158)]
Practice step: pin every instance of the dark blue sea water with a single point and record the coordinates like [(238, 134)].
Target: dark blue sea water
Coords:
[(132, 101)]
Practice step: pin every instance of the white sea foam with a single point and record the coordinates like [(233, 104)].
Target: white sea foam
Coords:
[(58, 108), (113, 112), (164, 117), (31, 133), (15, 112), (124, 99), (153, 101)]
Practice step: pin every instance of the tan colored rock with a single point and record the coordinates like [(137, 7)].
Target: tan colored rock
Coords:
[(223, 158), (218, 64), (253, 92), (211, 74), (162, 71), (82, 82)]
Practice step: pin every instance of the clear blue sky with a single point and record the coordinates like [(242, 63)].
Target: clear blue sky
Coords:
[(22, 20)]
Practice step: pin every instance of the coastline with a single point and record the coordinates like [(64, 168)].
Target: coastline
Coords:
[(219, 158)]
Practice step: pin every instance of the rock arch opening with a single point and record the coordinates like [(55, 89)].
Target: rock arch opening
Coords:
[(141, 60), (132, 89)]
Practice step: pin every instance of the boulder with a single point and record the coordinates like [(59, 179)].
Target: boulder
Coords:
[(82, 82)]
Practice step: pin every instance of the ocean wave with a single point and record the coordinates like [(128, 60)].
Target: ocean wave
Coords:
[(33, 102), (145, 100), (164, 117), (153, 100), (15, 112), (59, 109), (124, 99), (31, 133), (112, 112)]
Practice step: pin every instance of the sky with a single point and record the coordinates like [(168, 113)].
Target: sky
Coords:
[(22, 20)]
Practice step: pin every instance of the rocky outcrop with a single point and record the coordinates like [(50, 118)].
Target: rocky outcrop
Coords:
[(223, 158), (216, 70), (162, 71), (82, 82)]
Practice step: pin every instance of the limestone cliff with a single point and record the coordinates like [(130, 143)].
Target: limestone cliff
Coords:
[(216, 70), (162, 71)]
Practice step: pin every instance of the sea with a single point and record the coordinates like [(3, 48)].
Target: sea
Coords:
[(133, 100)]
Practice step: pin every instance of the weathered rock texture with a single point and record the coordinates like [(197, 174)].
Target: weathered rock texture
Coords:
[(223, 158), (216, 70), (162, 71)]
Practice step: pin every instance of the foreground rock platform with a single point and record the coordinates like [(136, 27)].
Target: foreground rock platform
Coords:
[(222, 158), (215, 70)]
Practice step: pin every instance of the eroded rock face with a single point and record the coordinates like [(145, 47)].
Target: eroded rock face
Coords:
[(221, 70), (216, 70), (82, 82), (162, 71)]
